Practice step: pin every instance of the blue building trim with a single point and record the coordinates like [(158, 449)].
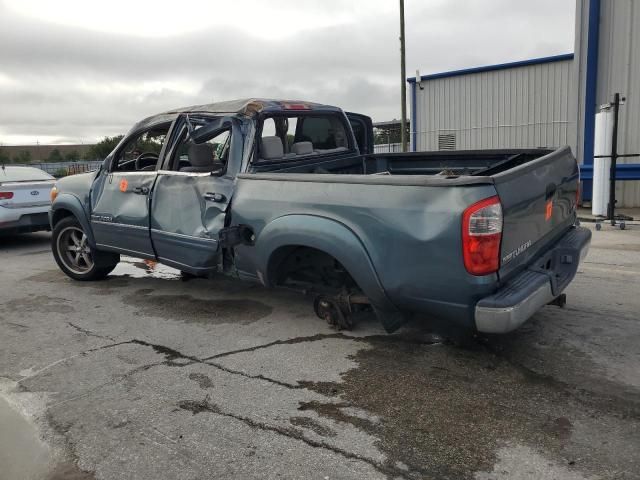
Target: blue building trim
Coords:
[(591, 84), (499, 66), (624, 171), (413, 125)]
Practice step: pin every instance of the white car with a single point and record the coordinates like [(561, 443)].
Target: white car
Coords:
[(24, 199)]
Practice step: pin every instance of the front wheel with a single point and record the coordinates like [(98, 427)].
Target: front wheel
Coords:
[(75, 256)]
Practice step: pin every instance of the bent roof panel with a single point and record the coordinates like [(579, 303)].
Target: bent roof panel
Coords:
[(250, 106), (246, 106)]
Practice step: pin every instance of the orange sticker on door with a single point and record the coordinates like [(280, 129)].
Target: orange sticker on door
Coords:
[(549, 210), (123, 185)]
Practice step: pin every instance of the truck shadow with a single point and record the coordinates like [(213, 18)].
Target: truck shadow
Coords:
[(9, 242)]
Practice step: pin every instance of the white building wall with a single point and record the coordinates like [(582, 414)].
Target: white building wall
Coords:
[(519, 107), (619, 71), (542, 105)]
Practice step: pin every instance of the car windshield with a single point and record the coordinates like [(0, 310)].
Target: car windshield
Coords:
[(22, 174)]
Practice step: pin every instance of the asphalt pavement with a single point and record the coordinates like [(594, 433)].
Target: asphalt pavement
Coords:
[(148, 376)]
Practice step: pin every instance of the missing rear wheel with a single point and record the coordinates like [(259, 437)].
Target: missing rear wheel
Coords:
[(330, 310)]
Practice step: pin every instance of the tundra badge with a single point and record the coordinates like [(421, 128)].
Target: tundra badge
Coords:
[(510, 256)]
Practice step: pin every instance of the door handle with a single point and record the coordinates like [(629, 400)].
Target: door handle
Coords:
[(214, 197), (141, 190)]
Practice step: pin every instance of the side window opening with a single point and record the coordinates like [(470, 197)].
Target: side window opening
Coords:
[(142, 151), (359, 133), (209, 156), (288, 137), (268, 127)]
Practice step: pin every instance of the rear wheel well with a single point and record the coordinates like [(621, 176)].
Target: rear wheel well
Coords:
[(306, 266)]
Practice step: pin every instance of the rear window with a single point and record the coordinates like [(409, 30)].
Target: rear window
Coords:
[(319, 131), (22, 174), (293, 136)]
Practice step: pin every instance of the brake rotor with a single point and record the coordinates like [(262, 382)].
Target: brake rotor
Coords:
[(329, 310)]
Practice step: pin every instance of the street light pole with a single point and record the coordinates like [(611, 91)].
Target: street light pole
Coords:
[(403, 83)]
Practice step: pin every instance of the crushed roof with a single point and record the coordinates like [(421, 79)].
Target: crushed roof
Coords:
[(248, 106), (245, 106)]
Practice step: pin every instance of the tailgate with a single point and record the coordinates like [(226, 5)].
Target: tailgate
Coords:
[(538, 203), (26, 194)]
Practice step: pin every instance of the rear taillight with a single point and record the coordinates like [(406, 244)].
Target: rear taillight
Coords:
[(481, 236), (6, 195)]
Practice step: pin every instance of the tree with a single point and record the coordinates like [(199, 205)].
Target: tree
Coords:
[(22, 157), (387, 135), (4, 158), (104, 147), (72, 156), (55, 156)]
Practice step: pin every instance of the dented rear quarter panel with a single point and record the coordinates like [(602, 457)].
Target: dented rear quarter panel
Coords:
[(411, 234)]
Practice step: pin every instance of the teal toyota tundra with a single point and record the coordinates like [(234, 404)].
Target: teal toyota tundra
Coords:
[(290, 193)]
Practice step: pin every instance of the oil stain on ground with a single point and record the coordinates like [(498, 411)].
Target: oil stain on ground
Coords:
[(199, 406), (447, 411), (311, 424), (189, 309), (202, 380)]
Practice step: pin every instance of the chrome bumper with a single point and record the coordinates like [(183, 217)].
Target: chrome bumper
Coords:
[(528, 292)]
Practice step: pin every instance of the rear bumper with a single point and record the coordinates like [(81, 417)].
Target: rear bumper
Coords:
[(529, 291), (30, 222)]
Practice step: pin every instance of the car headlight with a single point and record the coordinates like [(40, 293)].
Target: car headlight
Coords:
[(54, 193)]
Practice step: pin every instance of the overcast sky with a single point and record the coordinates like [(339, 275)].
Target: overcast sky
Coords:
[(73, 71)]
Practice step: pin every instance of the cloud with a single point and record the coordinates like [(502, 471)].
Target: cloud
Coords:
[(72, 82)]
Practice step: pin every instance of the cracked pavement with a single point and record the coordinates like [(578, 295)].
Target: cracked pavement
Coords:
[(147, 376)]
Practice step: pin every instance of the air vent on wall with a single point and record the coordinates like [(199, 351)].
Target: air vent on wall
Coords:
[(447, 141)]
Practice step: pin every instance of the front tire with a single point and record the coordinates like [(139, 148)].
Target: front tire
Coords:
[(75, 257)]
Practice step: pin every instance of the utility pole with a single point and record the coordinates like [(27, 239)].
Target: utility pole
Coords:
[(614, 160), (403, 83)]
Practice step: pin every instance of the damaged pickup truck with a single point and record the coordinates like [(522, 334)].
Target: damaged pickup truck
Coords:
[(290, 193)]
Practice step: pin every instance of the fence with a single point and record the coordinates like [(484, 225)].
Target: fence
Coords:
[(387, 148), (387, 137), (62, 169)]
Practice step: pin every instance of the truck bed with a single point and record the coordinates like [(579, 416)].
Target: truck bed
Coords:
[(443, 163)]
